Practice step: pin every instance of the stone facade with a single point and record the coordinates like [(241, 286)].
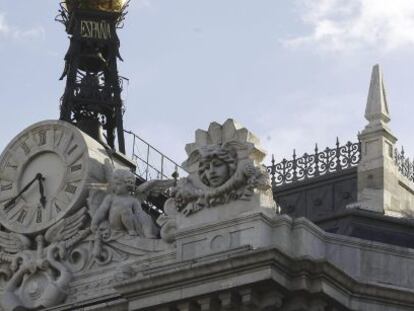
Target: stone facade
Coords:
[(221, 242), (254, 262)]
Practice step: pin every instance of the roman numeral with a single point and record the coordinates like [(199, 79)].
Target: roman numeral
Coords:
[(70, 188), (57, 136), (42, 138), (64, 141), (58, 209), (75, 168), (22, 216), (8, 207), (6, 187), (71, 150), (25, 148), (39, 216), (8, 164), (8, 174)]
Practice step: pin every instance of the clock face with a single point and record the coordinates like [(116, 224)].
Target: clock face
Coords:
[(55, 151)]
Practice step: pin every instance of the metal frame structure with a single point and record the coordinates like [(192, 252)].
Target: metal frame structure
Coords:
[(93, 86), (152, 163)]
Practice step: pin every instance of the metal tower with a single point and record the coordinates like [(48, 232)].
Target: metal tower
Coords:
[(92, 98)]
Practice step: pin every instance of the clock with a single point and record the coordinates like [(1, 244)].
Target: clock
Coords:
[(44, 175)]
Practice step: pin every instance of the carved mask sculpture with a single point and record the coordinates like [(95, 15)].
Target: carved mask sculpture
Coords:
[(216, 165), (223, 165)]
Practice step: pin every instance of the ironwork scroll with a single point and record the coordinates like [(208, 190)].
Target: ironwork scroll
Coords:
[(405, 164), (313, 165)]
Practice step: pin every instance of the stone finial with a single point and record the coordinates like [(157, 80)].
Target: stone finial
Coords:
[(377, 105), (376, 170)]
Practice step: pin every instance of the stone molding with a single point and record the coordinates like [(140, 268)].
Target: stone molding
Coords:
[(315, 277)]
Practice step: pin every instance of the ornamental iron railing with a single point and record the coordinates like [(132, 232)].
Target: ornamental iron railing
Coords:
[(320, 163), (404, 164), (151, 163)]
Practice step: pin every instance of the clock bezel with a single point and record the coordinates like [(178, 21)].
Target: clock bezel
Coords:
[(79, 195)]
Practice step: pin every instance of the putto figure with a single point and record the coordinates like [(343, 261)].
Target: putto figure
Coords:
[(122, 210)]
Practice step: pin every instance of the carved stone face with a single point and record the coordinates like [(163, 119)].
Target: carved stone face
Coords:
[(119, 185), (122, 182), (215, 172), (216, 166), (105, 231)]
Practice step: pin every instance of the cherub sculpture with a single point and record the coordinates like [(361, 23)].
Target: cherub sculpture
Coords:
[(122, 210)]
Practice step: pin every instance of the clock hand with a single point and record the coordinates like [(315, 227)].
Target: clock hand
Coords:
[(42, 191), (13, 201)]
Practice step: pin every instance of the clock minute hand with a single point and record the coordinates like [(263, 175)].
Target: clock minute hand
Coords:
[(13, 201)]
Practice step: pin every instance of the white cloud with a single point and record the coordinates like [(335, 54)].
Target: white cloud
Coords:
[(346, 25), (4, 28), (8, 31)]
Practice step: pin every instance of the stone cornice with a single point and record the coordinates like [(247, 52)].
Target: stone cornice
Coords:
[(255, 266)]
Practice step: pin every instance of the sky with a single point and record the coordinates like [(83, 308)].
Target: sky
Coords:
[(294, 73)]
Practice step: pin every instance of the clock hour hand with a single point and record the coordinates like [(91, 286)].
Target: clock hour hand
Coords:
[(13, 201), (42, 191)]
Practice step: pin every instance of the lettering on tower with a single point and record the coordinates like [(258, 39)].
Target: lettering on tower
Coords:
[(95, 30), (91, 71)]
